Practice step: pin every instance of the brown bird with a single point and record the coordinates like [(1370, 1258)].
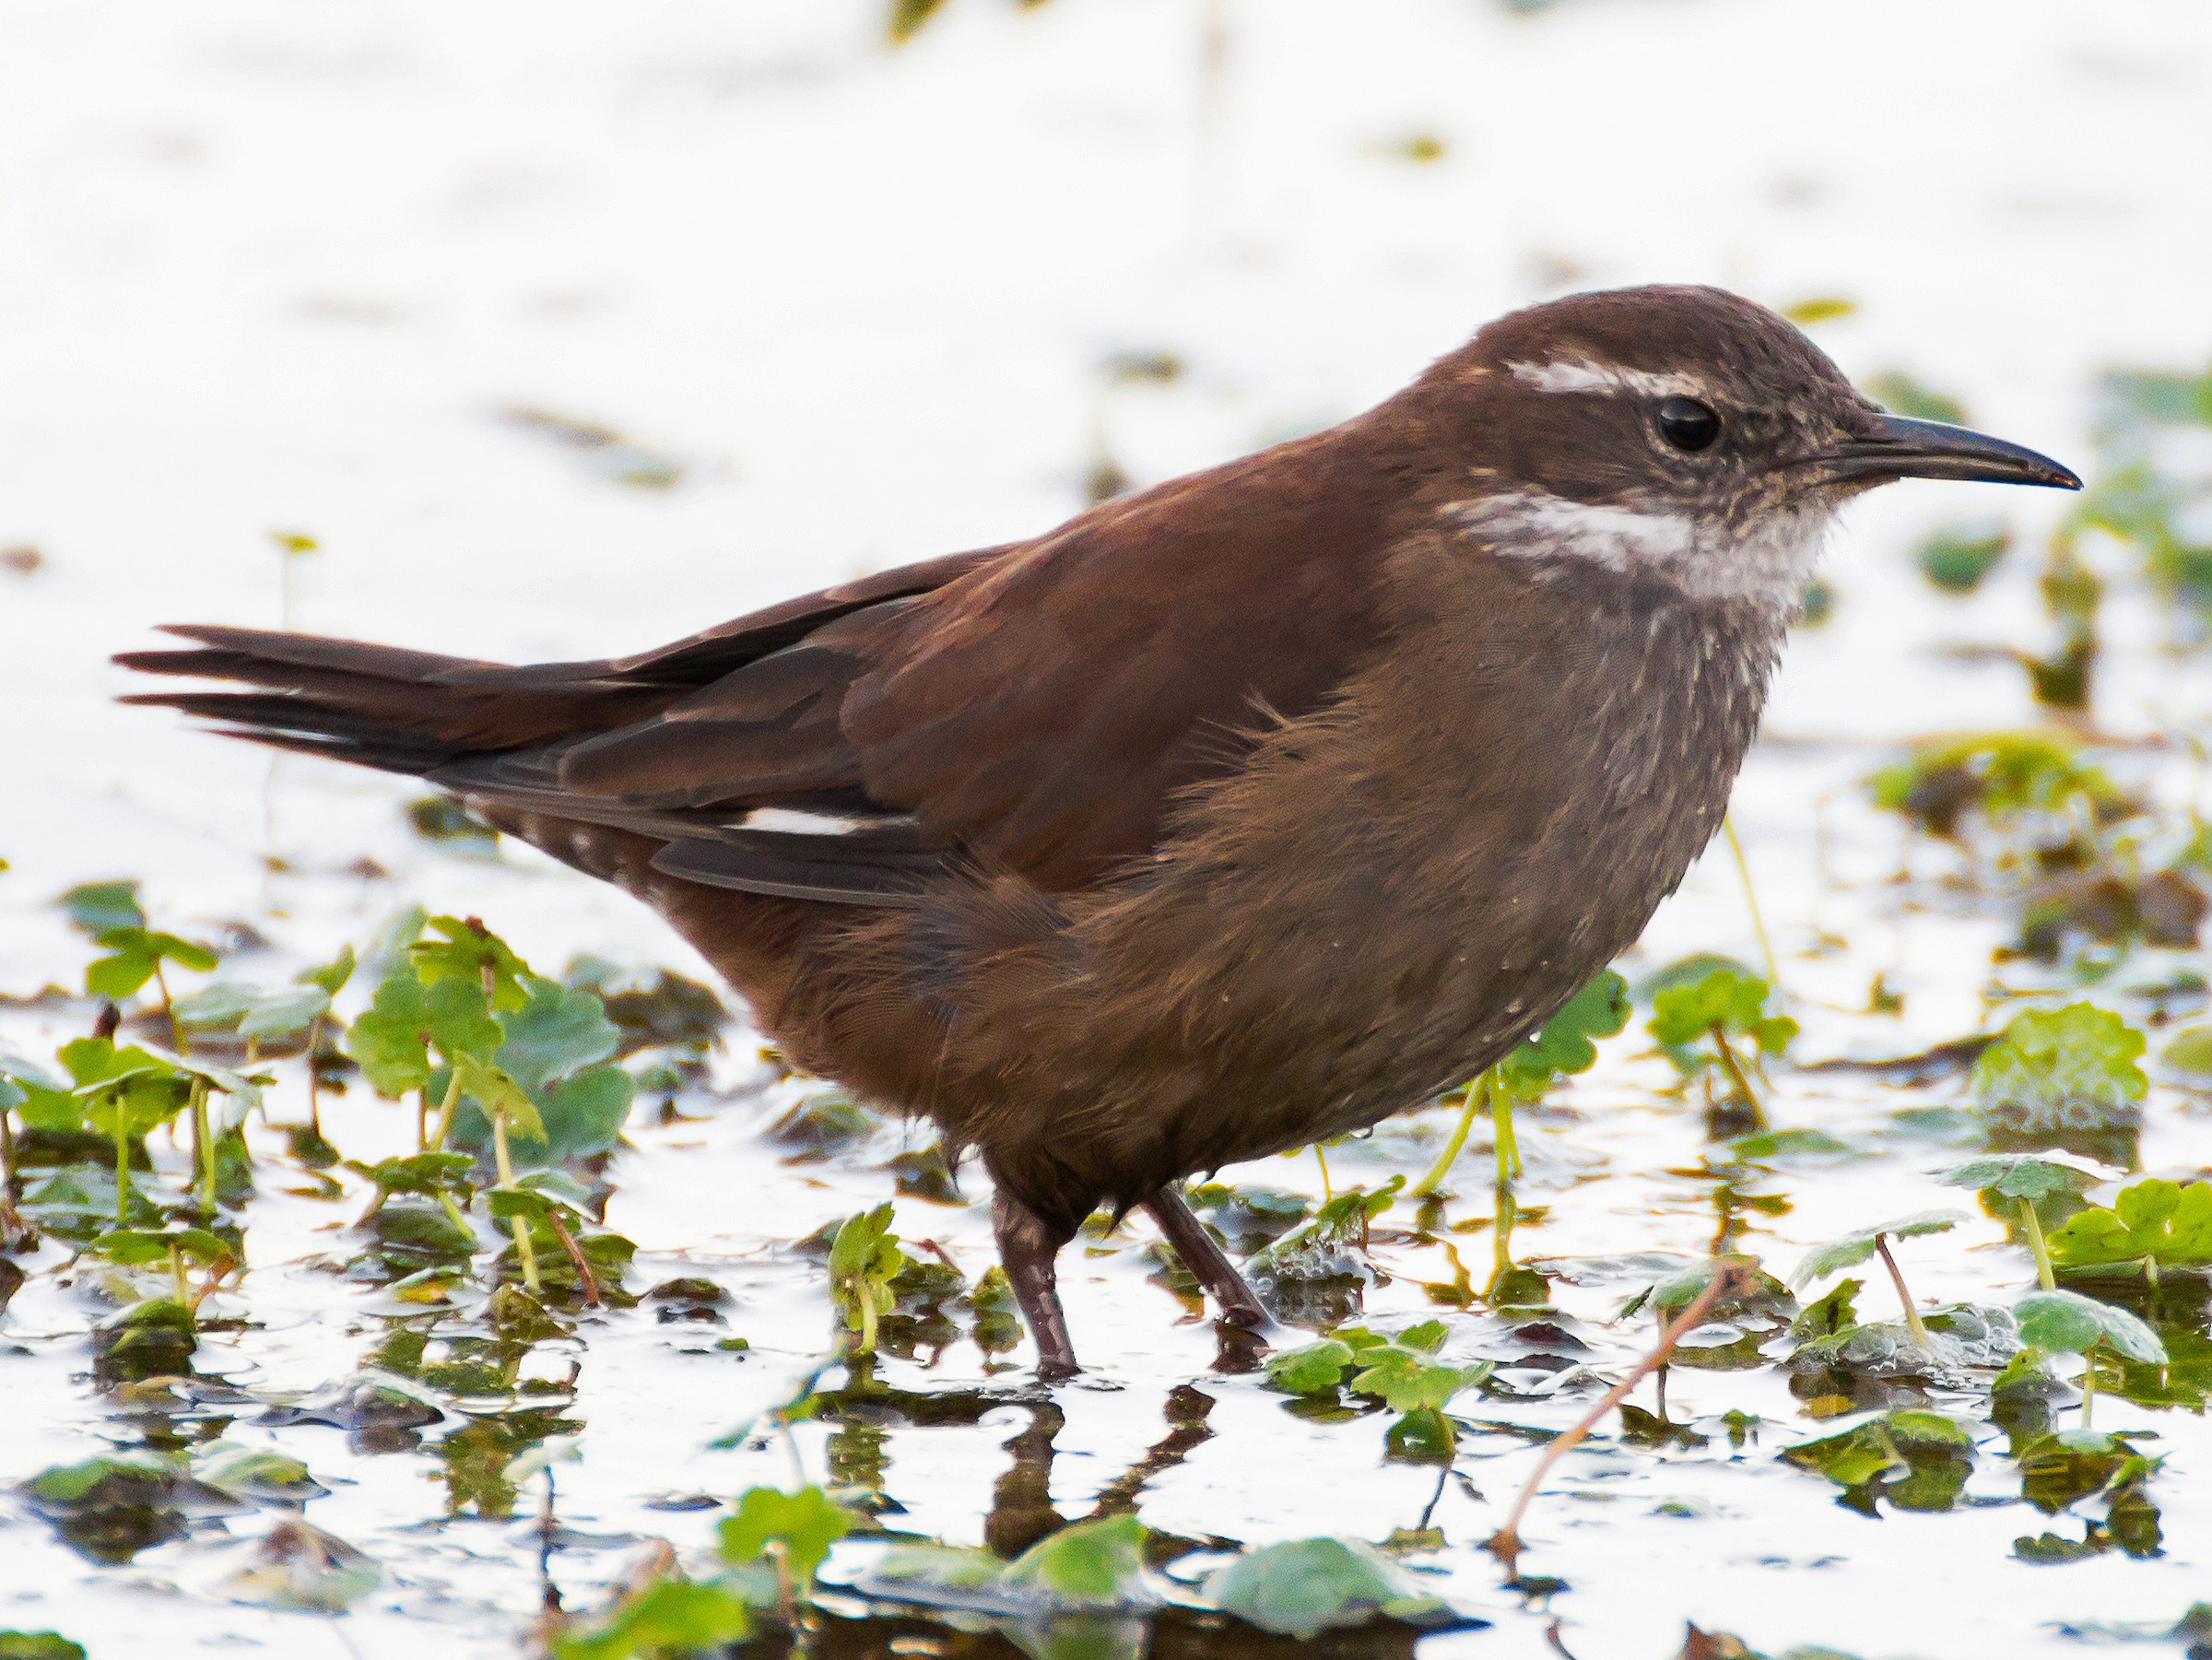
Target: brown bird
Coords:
[(1231, 815)]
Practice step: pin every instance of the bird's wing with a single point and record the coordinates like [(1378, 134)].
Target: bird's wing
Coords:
[(1033, 708), (1039, 712)]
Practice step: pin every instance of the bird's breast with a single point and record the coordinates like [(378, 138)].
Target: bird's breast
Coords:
[(1399, 887)]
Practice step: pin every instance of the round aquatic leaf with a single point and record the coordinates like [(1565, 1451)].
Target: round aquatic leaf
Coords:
[(282, 1013), (2068, 1322), (1856, 1247), (2168, 1222), (255, 1473), (1310, 1368), (2071, 1067), (1565, 1043), (806, 1524), (2021, 1177), (39, 1645), (1089, 1567), (1306, 1586), (300, 1567), (2191, 1050), (938, 1576), (668, 1617), (557, 1032), (99, 908)]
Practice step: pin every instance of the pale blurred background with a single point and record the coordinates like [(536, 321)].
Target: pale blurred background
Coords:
[(389, 275)]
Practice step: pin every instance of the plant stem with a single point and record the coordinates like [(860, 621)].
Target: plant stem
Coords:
[(453, 1212), (168, 1009), (1505, 1544), (123, 1170), (1904, 1298), (1758, 923), (1739, 1082), (314, 1101), (422, 1119), (1501, 1237), (176, 1276), (1501, 1129), (1434, 1177), (2089, 1388), (445, 1109), (1321, 1156), (525, 1254), (202, 1144), (2033, 1225)]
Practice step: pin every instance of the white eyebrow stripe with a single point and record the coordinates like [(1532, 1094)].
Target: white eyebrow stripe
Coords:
[(1580, 374)]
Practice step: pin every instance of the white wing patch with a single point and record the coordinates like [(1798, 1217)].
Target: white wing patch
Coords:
[(1581, 374), (795, 821)]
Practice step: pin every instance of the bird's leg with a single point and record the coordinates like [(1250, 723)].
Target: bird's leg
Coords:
[(1026, 1245), (1206, 1261)]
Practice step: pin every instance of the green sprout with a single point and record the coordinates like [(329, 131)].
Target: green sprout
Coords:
[(2068, 1322), (1856, 1247), (864, 1259), (1400, 1371), (1562, 1045), (1703, 1022), (2026, 1181)]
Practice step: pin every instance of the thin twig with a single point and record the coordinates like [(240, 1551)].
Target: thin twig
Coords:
[(576, 1256), (1505, 1544)]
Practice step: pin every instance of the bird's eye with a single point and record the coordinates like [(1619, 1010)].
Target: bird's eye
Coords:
[(1688, 424)]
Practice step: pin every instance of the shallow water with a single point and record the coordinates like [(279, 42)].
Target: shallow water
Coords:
[(285, 269)]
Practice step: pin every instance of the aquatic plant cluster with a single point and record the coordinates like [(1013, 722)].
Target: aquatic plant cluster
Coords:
[(188, 1098)]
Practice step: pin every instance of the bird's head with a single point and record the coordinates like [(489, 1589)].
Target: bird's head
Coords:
[(1681, 435)]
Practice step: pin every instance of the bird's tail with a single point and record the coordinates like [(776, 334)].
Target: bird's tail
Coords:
[(383, 706)]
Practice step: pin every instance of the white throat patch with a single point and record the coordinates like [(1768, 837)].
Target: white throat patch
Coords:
[(1770, 567)]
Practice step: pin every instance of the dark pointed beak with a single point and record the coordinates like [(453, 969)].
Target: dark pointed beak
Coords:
[(1899, 448)]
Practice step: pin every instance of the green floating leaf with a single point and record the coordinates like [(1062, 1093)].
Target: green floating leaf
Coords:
[(1786, 1144), (2068, 1322), (1724, 999), (1957, 561), (2072, 1068), (1855, 1248), (258, 1473), (1566, 1043), (2003, 776), (1902, 394), (39, 1645), (668, 1618), (1306, 1586), (471, 952), (134, 955), (804, 1525), (2169, 1223), (2021, 1177), (2191, 1050), (297, 1566), (97, 906), (1090, 1567)]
